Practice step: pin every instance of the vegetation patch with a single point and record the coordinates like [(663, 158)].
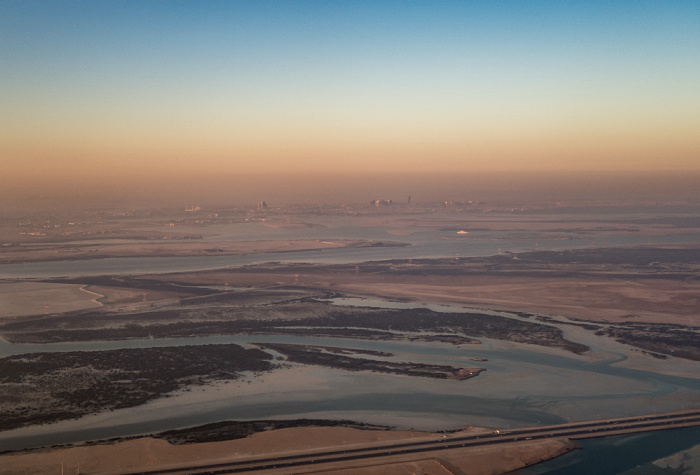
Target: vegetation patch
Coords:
[(48, 387)]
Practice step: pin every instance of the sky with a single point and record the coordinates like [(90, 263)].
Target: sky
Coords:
[(126, 91)]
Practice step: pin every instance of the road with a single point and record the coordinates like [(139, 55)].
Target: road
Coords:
[(577, 430)]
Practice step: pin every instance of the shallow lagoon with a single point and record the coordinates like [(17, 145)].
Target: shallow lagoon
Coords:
[(634, 454), (423, 242), (523, 385)]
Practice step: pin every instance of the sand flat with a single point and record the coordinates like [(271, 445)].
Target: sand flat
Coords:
[(147, 453), (595, 297), (164, 248), (40, 298)]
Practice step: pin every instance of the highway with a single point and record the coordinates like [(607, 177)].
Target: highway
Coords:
[(577, 430)]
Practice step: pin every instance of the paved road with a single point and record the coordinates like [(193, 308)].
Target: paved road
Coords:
[(579, 430)]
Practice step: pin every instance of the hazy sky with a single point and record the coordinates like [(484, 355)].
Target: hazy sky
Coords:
[(133, 88)]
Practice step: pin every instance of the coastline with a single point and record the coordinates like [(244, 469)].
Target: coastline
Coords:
[(54, 253), (148, 454)]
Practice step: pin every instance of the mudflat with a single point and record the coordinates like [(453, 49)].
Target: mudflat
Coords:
[(644, 297), (167, 248)]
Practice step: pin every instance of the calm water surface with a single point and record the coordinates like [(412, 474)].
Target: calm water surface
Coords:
[(631, 454), (522, 385), (426, 244)]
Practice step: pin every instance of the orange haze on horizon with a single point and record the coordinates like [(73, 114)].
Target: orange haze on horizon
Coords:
[(592, 149), (225, 189)]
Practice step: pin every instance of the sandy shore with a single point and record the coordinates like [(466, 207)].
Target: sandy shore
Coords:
[(18, 299), (588, 299), (166, 248), (147, 453), (592, 297), (39, 298)]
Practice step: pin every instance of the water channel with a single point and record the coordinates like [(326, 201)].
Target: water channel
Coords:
[(522, 385)]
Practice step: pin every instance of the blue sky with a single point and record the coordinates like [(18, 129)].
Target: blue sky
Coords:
[(242, 87)]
